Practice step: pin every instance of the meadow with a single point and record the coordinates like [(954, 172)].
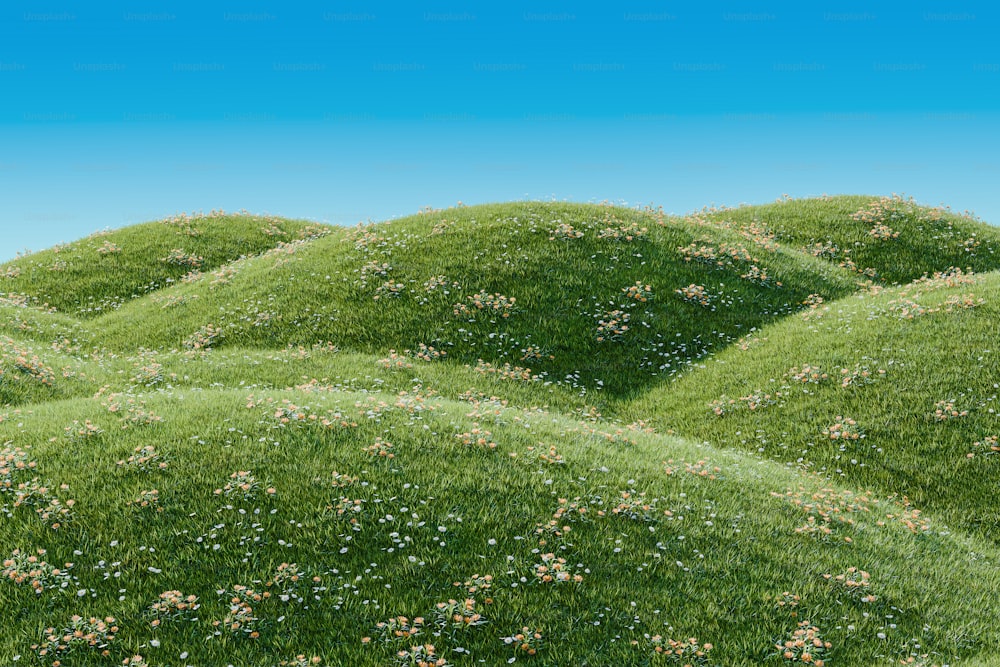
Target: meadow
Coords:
[(526, 433)]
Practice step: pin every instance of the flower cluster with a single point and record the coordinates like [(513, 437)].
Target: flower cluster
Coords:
[(624, 232), (504, 306), (424, 655), (907, 309), (700, 468), (528, 641), (399, 628), (477, 437), (345, 507), (27, 568), (753, 401), (855, 581), (760, 235), (613, 325), (150, 498), (805, 645), (885, 209), (395, 361), (373, 268), (686, 651), (635, 506), (272, 229), (990, 444), (477, 584), (144, 458), (243, 484), (759, 276), (27, 363), (439, 282), (546, 455), (313, 231), (807, 374), (843, 428), (638, 292), (565, 232), (241, 619), (859, 376), (946, 410), (342, 481), (389, 289), (950, 277), (148, 374), (696, 294), (109, 248), (441, 227), (91, 633), (961, 302), (78, 432), (704, 254), (553, 569), (380, 449), (506, 372), (223, 276), (826, 250), (47, 506), (813, 301), (365, 240), (204, 338), (13, 460), (287, 580), (881, 232), (788, 600), (179, 257), (429, 353), (133, 412), (457, 614), (172, 606), (301, 661)]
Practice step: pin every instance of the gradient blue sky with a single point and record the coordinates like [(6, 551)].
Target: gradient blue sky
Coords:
[(120, 112)]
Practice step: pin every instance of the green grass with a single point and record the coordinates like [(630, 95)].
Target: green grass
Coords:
[(279, 361), (927, 237), (321, 291), (97, 274), (933, 357)]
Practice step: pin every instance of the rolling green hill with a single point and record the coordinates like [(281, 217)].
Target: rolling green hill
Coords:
[(530, 433), (108, 268), (915, 367)]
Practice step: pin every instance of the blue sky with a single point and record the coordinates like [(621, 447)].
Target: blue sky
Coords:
[(123, 112)]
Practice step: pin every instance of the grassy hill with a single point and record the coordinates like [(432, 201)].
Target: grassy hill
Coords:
[(108, 268), (887, 239), (915, 367), (571, 292), (552, 434)]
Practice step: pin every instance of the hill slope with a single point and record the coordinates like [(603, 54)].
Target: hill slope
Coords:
[(230, 499), (914, 367)]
